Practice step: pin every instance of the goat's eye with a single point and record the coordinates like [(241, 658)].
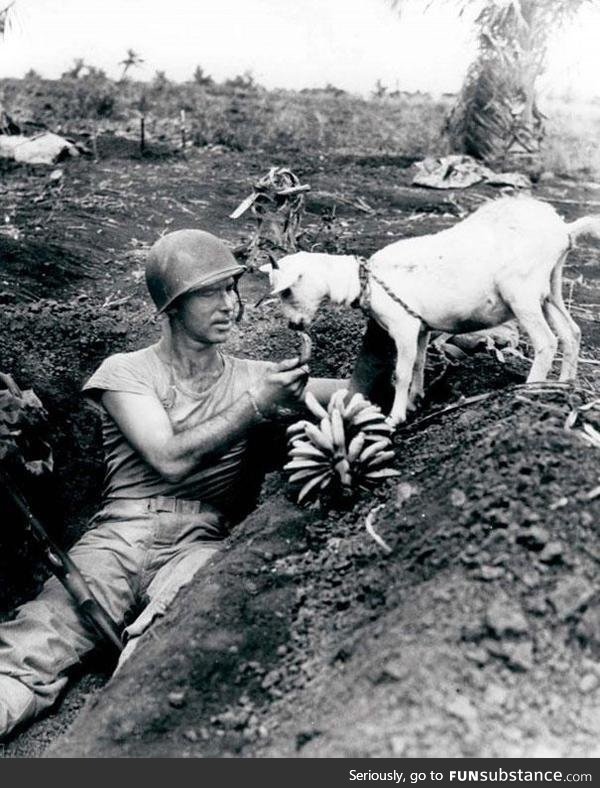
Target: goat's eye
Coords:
[(286, 293)]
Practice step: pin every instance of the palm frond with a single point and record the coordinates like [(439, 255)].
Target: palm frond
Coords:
[(496, 112), (7, 18)]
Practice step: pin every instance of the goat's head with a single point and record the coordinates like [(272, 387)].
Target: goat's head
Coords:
[(299, 288)]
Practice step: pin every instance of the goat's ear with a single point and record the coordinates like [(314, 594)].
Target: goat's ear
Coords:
[(282, 280)]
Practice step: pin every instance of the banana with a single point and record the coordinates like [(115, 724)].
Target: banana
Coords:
[(314, 406), (325, 426), (367, 415), (372, 450), (311, 484), (306, 345), (314, 434), (337, 431), (342, 468), (296, 427), (380, 459), (326, 481), (308, 450), (299, 464), (300, 475), (375, 436), (378, 426), (384, 473), (356, 404), (356, 446), (337, 401)]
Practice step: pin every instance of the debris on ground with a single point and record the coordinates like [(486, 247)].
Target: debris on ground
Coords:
[(46, 148), (461, 172), (277, 204)]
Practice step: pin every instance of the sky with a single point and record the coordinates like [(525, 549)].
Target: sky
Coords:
[(284, 43)]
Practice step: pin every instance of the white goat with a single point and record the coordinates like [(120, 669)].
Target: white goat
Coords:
[(504, 261)]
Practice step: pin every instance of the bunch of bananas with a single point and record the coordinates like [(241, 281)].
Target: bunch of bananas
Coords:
[(349, 447)]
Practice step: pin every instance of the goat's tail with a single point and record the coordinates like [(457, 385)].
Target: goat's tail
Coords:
[(587, 225)]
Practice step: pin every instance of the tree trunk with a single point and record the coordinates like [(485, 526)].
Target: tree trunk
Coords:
[(496, 117)]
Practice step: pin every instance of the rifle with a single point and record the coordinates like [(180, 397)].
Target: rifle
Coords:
[(65, 569)]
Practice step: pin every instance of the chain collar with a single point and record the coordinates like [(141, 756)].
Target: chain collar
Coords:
[(365, 275)]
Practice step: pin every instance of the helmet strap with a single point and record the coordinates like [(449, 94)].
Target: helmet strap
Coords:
[(240, 313)]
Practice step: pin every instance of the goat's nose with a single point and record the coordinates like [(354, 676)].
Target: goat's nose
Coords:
[(296, 325)]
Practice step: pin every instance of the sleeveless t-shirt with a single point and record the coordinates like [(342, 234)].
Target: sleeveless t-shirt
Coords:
[(216, 479)]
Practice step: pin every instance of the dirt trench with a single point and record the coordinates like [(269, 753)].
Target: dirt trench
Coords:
[(476, 635), (315, 642)]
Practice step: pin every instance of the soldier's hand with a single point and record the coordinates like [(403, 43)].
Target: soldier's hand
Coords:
[(282, 387)]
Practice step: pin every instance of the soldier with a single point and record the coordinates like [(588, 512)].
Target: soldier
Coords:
[(176, 422)]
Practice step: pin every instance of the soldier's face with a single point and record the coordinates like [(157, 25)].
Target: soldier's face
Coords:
[(207, 314)]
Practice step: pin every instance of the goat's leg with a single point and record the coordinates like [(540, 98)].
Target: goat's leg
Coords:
[(557, 300), (531, 319), (569, 343), (406, 336), (417, 386)]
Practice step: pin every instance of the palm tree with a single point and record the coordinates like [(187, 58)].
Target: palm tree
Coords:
[(7, 14), (76, 69), (496, 116), (131, 59)]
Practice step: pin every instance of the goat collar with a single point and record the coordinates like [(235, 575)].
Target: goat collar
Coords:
[(363, 300)]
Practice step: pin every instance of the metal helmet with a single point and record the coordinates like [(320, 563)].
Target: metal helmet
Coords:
[(187, 260)]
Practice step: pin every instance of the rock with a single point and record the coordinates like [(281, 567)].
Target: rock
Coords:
[(495, 695), (587, 519), (457, 498), (588, 628), (535, 538), (462, 708), (536, 604), (546, 176), (478, 655), (404, 491), (552, 553), (177, 699), (530, 579), (570, 595), (519, 656), (190, 735), (512, 733), (398, 745), (505, 618), (395, 670), (589, 683), (488, 572)]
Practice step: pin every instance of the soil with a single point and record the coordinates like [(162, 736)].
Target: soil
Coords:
[(477, 634)]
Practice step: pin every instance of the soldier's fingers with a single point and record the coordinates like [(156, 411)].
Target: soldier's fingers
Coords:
[(287, 378), (287, 363)]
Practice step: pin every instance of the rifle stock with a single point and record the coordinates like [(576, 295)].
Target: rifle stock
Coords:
[(65, 569)]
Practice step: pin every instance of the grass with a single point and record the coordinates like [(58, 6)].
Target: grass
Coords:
[(244, 116), (572, 144)]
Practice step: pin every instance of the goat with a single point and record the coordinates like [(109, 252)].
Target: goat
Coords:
[(504, 261)]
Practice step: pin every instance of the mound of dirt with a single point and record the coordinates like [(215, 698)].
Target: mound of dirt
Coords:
[(484, 612), (52, 346)]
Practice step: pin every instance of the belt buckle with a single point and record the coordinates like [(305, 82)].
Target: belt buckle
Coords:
[(162, 503), (189, 507)]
